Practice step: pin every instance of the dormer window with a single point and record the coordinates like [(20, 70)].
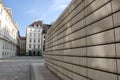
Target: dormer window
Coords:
[(37, 25), (34, 25)]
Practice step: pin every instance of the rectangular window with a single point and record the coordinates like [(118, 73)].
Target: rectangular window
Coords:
[(38, 34), (30, 34), (3, 46), (2, 53), (38, 46), (29, 45), (38, 40), (30, 40), (34, 40), (34, 46), (34, 35)]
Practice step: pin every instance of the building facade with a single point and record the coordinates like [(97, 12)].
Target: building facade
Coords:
[(18, 44), (8, 32), (22, 46), (44, 32), (34, 38)]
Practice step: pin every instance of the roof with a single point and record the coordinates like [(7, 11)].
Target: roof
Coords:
[(45, 28), (37, 23)]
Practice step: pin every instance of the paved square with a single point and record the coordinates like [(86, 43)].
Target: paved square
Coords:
[(18, 68)]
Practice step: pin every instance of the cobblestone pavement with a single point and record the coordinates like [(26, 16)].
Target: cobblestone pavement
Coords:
[(18, 68), (23, 58)]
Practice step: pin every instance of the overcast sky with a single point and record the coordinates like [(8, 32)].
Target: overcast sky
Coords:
[(25, 11)]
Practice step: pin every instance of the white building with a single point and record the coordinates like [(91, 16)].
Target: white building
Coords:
[(8, 32), (34, 38)]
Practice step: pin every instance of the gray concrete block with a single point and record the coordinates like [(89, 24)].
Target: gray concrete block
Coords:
[(68, 66), (78, 17), (78, 43), (66, 78), (118, 50), (102, 51), (118, 65), (67, 45), (100, 26), (68, 73), (104, 37), (95, 5), (78, 25), (68, 31), (78, 77), (79, 52), (78, 34), (77, 10), (79, 61), (87, 2), (103, 64), (80, 70), (116, 18), (119, 78), (76, 60), (67, 52), (115, 5), (68, 59), (60, 75), (98, 75), (117, 34), (99, 14)]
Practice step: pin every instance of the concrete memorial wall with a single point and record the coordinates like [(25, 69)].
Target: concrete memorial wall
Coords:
[(84, 42)]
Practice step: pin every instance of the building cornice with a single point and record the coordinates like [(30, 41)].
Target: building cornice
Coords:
[(9, 14)]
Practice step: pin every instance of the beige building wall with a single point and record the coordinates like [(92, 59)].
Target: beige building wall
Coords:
[(84, 42), (8, 32), (23, 46)]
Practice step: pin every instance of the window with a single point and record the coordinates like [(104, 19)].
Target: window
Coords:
[(30, 34), (34, 46), (34, 40), (38, 40), (3, 46), (34, 35), (29, 45), (38, 46), (38, 34), (2, 53), (30, 40)]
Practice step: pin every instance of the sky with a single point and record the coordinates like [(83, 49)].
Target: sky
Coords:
[(26, 11)]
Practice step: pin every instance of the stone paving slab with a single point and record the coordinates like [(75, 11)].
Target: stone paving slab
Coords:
[(19, 68), (42, 73), (23, 58), (8, 79)]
